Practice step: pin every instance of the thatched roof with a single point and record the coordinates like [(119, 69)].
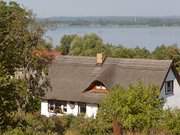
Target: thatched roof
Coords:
[(70, 76)]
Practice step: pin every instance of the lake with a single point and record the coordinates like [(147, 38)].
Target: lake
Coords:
[(149, 37)]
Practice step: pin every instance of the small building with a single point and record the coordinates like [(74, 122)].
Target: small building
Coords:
[(80, 83)]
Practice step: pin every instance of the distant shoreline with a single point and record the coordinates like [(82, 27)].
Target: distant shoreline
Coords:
[(55, 22), (108, 26)]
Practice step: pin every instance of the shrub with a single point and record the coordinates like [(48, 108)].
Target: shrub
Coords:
[(135, 108), (171, 121)]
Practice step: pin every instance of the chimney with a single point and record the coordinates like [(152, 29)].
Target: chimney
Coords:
[(99, 58)]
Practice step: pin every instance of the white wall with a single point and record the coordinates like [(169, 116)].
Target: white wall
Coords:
[(72, 111), (91, 110), (44, 108), (172, 101)]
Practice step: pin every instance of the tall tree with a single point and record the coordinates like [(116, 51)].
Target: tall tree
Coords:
[(18, 39), (65, 44), (168, 52), (88, 45)]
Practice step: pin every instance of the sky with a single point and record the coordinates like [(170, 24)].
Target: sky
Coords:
[(52, 8)]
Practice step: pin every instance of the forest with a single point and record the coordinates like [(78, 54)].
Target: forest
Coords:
[(136, 109)]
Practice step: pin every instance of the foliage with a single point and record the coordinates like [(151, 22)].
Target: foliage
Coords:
[(171, 121), (88, 126), (34, 124), (122, 52), (136, 108), (10, 90), (22, 77), (167, 52), (88, 45), (65, 44)]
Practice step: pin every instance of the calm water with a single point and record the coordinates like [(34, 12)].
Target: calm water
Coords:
[(148, 37)]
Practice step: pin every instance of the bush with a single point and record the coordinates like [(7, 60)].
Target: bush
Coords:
[(135, 108), (35, 124), (88, 126), (171, 121), (16, 131)]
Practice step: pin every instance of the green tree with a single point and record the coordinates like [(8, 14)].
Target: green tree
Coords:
[(141, 53), (18, 39), (7, 100), (167, 52), (135, 108), (76, 46), (92, 44), (65, 44), (171, 121), (122, 52), (88, 45)]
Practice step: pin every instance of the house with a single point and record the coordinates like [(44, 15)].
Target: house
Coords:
[(80, 83)]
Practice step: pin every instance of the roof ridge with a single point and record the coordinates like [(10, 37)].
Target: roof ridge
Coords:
[(93, 57), (140, 59), (143, 68)]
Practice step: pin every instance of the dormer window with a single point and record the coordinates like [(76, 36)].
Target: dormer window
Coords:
[(97, 87), (100, 87), (169, 87)]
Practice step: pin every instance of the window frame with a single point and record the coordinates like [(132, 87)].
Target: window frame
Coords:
[(51, 105), (171, 92), (59, 107), (82, 108)]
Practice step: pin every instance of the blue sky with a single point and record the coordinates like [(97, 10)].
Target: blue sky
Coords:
[(49, 8)]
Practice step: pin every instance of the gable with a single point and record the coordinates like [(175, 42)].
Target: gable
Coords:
[(172, 100), (172, 74)]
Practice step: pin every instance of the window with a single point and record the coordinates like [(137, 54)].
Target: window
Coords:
[(64, 109), (100, 87), (51, 107), (72, 105), (169, 87), (57, 107), (82, 108)]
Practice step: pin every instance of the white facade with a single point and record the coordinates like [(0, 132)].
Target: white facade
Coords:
[(44, 108), (72, 109), (91, 110), (172, 100)]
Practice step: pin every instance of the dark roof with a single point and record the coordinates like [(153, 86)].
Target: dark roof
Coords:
[(70, 76)]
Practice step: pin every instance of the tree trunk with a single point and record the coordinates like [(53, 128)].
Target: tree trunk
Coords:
[(117, 128)]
